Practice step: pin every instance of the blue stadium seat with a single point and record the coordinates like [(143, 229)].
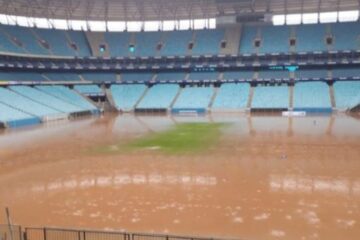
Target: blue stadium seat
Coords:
[(16, 118), (146, 43), (175, 43), (238, 75), (274, 34), (310, 38), (100, 77), (159, 96), (270, 97), (59, 45), (88, 89), (274, 74), (346, 36), (21, 76), (208, 42), (82, 44), (62, 76), (204, 76), (232, 96), (7, 45), (170, 76), (311, 73), (346, 73), (118, 43), (347, 94), (312, 96), (127, 95), (137, 77), (248, 35), (194, 98)]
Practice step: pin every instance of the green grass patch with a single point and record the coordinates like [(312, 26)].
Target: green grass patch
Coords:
[(183, 138)]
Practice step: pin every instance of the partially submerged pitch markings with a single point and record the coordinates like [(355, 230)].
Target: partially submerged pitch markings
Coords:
[(182, 138)]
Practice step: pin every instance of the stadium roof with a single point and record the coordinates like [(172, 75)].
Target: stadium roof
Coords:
[(142, 10)]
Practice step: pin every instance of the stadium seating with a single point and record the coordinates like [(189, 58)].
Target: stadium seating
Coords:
[(236, 75), (46, 99), (7, 45), (207, 42), (281, 38), (127, 95), (159, 96), (69, 96), (346, 73), (204, 76), (27, 38), (62, 76), (248, 36), (90, 89), (137, 77), (312, 96), (275, 74), (21, 76), (346, 36), (347, 94), (170, 76), (146, 43), (311, 73), (57, 41), (118, 43), (310, 38), (81, 42), (16, 118), (175, 43), (232, 96), (270, 97), (194, 98), (25, 104), (99, 77)]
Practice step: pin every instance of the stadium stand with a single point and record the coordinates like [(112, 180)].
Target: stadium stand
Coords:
[(90, 89), (79, 40), (137, 77), (345, 36), (231, 96), (27, 38), (159, 96), (204, 76), (238, 75), (312, 96), (7, 45), (346, 73), (310, 38), (62, 76), (118, 43), (347, 94), (270, 97), (248, 36), (21, 76), (311, 74), (26, 105), (207, 42), (99, 77), (49, 100), (275, 74), (126, 96), (194, 98), (175, 43), (146, 43), (58, 43), (69, 96), (268, 38), (11, 117), (170, 76)]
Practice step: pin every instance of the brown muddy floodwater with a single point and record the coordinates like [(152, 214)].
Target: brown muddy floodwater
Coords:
[(269, 178)]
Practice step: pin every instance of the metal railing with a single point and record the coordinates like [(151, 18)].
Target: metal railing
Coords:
[(12, 232)]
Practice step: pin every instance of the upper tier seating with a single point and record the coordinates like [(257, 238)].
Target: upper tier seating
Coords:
[(194, 98), (136, 77), (248, 35), (90, 89), (311, 95), (126, 96), (62, 76), (7, 45), (21, 76), (146, 43), (204, 76), (236, 75), (57, 41), (46, 99), (101, 77), (346, 36), (270, 97), (118, 43), (310, 38), (346, 73), (347, 94), (25, 104), (311, 73), (27, 38), (159, 96), (175, 43), (13, 117), (81, 42), (170, 76), (274, 74), (68, 95), (207, 42), (274, 43), (232, 96)]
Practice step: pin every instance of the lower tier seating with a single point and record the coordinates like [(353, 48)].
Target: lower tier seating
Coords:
[(311, 96), (347, 94), (270, 97), (127, 95), (194, 98), (232, 96), (159, 96)]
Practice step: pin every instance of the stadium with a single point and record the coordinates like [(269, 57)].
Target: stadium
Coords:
[(179, 120)]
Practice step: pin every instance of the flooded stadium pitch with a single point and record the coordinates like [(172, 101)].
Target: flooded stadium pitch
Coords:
[(248, 177)]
